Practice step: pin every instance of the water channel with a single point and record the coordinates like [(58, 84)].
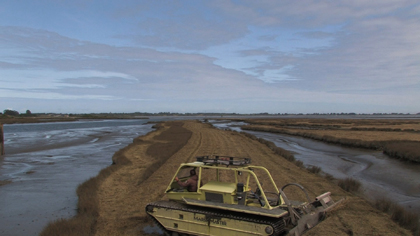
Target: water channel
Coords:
[(380, 175), (45, 162)]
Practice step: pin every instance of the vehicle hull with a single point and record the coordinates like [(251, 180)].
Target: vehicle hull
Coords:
[(182, 218)]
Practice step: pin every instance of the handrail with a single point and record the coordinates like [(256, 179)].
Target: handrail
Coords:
[(224, 160)]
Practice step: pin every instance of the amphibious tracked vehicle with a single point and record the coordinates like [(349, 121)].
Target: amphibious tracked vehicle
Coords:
[(224, 203)]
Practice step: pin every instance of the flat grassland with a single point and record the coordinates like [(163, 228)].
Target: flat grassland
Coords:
[(113, 203), (398, 138)]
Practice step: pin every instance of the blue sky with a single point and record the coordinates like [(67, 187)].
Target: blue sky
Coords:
[(84, 56)]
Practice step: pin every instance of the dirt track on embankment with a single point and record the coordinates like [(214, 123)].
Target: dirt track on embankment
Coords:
[(154, 158)]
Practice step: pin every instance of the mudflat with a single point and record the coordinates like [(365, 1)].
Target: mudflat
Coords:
[(360, 129), (397, 138), (151, 161)]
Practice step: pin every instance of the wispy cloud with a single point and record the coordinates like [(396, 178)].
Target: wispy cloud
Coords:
[(247, 56)]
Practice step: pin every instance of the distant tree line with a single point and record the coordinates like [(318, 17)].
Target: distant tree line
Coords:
[(9, 112), (28, 113)]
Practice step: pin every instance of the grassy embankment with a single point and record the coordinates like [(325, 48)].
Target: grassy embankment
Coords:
[(396, 138), (163, 145), (4, 119), (400, 148), (84, 222), (404, 218)]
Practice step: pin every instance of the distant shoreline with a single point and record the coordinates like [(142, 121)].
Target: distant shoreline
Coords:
[(36, 118), (142, 169), (27, 120)]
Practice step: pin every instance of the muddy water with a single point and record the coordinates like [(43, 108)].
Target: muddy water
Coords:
[(45, 163), (380, 175)]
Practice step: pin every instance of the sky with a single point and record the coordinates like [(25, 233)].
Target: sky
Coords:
[(192, 56)]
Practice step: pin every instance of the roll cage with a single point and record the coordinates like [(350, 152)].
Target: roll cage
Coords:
[(233, 187)]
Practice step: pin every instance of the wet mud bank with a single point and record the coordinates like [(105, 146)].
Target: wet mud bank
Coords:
[(380, 175), (169, 140), (405, 150), (123, 195), (45, 162)]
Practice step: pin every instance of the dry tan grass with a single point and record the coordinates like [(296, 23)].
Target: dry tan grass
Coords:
[(90, 192), (349, 134), (402, 143), (392, 124), (123, 195), (349, 184), (404, 218), (4, 182)]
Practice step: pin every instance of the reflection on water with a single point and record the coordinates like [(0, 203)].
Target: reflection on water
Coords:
[(380, 175), (46, 162)]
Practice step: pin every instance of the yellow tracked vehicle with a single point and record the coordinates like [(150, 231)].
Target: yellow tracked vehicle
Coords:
[(213, 196)]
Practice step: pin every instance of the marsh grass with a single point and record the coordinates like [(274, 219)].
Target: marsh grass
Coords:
[(399, 214), (79, 225), (4, 182), (314, 169), (349, 185), (401, 149), (299, 163), (329, 177), (84, 222), (384, 205), (406, 150)]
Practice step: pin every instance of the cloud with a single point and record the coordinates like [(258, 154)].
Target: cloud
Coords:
[(61, 65), (353, 45), (52, 79), (244, 55), (193, 25), (309, 13), (315, 34), (374, 54), (34, 94)]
